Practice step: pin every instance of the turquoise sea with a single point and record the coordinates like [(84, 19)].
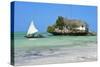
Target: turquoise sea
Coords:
[(69, 41), (27, 49)]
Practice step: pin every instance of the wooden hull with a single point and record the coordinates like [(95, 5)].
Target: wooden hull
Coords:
[(36, 35)]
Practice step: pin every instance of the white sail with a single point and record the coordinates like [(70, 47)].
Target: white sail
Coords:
[(32, 29)]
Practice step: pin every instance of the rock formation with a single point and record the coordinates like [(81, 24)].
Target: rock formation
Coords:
[(65, 26)]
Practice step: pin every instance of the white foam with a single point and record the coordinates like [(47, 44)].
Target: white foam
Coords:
[(32, 39)]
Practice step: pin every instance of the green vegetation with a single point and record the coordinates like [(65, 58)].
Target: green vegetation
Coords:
[(50, 29)]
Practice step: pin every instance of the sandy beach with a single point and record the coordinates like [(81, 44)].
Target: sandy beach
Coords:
[(60, 54)]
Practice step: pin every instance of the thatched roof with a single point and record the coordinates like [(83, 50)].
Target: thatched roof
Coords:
[(74, 22)]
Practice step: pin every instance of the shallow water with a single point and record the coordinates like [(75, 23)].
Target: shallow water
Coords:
[(53, 46), (21, 41)]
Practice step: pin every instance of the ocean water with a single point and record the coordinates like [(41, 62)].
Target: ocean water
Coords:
[(70, 41), (29, 49)]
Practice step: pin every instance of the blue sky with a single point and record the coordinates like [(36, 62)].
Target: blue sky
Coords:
[(45, 14)]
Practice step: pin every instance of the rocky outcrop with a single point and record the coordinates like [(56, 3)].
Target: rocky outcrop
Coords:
[(65, 26)]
